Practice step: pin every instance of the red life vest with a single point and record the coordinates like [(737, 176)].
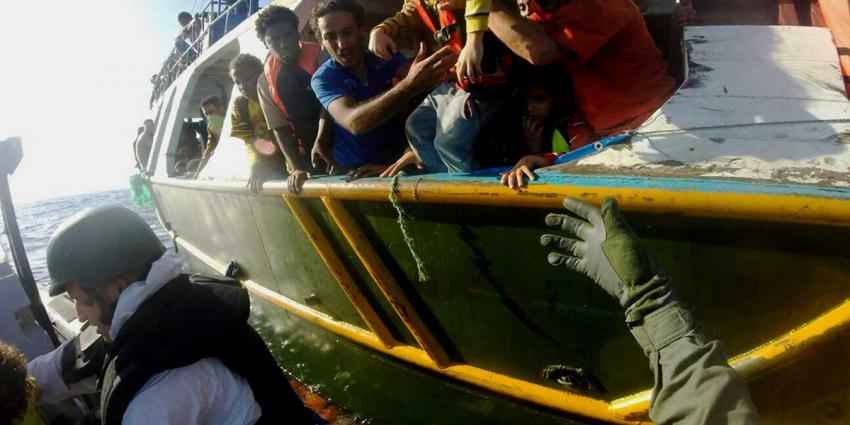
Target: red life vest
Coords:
[(449, 31), (308, 61), (449, 34)]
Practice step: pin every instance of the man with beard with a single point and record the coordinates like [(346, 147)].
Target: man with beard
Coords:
[(180, 348)]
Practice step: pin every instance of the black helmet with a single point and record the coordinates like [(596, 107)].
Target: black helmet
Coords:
[(98, 245)]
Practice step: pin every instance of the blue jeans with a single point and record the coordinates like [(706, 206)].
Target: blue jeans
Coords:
[(443, 128)]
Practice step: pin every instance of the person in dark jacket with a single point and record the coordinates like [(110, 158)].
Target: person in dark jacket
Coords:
[(180, 349)]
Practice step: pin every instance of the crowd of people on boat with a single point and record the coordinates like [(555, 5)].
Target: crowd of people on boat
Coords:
[(197, 32), (500, 89), (495, 87)]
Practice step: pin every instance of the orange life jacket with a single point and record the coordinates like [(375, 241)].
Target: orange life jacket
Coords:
[(308, 61), (449, 34), (449, 31)]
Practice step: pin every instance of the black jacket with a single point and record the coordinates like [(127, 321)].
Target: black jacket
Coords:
[(189, 319)]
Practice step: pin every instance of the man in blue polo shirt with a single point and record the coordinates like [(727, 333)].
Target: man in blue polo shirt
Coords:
[(356, 87)]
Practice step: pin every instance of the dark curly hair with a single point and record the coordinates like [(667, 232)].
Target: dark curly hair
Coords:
[(244, 59), (212, 100), (15, 387), (272, 15), (330, 6)]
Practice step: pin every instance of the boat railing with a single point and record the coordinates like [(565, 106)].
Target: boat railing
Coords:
[(218, 17)]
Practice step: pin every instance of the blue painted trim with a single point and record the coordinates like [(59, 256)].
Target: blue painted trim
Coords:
[(592, 148), (573, 155), (640, 182)]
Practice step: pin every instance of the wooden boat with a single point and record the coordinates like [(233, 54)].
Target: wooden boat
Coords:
[(738, 185)]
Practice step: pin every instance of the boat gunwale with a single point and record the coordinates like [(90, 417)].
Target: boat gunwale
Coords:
[(723, 199)]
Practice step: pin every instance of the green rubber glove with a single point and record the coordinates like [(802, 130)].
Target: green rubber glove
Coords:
[(601, 245)]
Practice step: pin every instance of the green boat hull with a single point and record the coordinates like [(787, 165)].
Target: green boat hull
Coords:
[(493, 302)]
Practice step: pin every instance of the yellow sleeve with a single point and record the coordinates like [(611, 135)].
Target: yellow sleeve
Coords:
[(252, 154), (477, 15), (240, 127), (393, 25)]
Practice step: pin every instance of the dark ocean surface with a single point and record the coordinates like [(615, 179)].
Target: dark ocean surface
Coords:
[(39, 219)]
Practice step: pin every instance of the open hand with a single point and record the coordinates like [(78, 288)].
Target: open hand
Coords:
[(296, 180), (427, 72), (319, 156), (600, 244), (257, 178), (368, 170), (469, 60), (515, 179), (408, 158), (382, 45)]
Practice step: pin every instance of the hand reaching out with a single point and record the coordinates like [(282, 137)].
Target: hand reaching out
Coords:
[(408, 158), (426, 72), (382, 45), (515, 179), (469, 60)]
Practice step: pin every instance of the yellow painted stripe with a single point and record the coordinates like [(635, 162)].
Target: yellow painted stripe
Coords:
[(522, 390), (742, 206), (386, 282), (339, 272), (762, 359), (505, 385), (635, 407)]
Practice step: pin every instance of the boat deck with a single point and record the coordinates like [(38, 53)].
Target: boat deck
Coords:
[(760, 103)]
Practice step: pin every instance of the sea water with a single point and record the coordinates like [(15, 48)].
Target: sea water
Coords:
[(37, 221)]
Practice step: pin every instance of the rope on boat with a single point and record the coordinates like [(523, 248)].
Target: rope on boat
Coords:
[(403, 218)]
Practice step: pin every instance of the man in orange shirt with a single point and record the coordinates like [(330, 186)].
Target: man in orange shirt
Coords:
[(618, 74)]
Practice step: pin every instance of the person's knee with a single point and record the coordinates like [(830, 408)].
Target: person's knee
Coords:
[(419, 125)]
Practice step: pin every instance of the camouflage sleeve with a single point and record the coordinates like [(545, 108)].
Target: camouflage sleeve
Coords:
[(694, 383)]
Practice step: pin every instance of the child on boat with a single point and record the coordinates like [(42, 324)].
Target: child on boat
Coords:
[(549, 123)]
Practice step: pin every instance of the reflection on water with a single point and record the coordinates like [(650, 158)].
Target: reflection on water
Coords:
[(39, 219)]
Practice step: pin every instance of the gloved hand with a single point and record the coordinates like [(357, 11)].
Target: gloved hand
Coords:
[(602, 246)]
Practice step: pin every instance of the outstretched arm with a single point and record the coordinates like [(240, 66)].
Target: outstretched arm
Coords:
[(694, 383), (136, 155), (212, 143), (322, 152), (289, 146), (424, 74), (526, 38)]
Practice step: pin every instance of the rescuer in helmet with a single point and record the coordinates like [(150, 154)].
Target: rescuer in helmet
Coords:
[(693, 381), (179, 347)]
